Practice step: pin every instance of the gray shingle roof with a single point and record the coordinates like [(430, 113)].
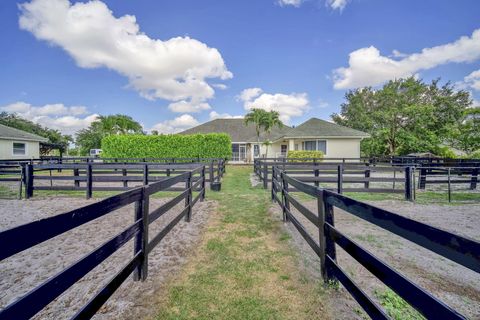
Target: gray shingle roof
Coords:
[(315, 127), (239, 132), (16, 134)]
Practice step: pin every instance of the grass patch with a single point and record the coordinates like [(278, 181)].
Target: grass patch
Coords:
[(396, 307), (6, 192), (241, 269)]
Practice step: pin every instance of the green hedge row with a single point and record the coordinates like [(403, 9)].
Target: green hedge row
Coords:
[(212, 145), (297, 154)]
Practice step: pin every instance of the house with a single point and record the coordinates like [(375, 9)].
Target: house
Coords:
[(334, 140), (18, 144)]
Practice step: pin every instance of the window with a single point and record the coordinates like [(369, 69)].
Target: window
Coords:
[(310, 145), (315, 145), (19, 149), (256, 150), (322, 146)]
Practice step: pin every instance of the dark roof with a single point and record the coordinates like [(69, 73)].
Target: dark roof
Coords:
[(315, 127), (239, 132), (16, 134)]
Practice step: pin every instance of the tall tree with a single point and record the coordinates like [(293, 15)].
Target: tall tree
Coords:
[(406, 115), (271, 120), (258, 118), (91, 137)]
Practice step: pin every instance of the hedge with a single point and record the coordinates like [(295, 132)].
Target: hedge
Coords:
[(297, 154), (212, 145)]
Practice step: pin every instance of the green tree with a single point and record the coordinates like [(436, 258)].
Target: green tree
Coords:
[(467, 136), (258, 118), (406, 115), (56, 140), (271, 120), (91, 137)]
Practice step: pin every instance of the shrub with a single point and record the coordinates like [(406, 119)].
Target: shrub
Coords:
[(445, 152), (474, 155), (212, 145), (310, 155)]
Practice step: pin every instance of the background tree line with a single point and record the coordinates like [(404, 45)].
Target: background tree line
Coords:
[(410, 116)]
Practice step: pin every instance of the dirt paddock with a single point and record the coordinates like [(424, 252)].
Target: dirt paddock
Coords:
[(455, 285), (26, 270)]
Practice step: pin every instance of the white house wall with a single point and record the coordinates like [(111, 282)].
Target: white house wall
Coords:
[(6, 149), (336, 147)]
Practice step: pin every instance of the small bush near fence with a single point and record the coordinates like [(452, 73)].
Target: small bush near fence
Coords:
[(305, 155), (212, 145)]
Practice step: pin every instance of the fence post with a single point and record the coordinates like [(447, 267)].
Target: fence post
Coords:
[(188, 198), (145, 174), (202, 197), (408, 183), (449, 187), (367, 177), (76, 183), (340, 179), (89, 180), (285, 202), (422, 181), (321, 234), (141, 239), (28, 181), (316, 172), (473, 183), (330, 249), (210, 169), (273, 183), (124, 174), (265, 175)]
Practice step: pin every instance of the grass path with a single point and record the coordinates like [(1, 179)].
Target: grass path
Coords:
[(243, 267)]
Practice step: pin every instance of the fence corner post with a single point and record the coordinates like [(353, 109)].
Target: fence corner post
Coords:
[(408, 183), (340, 179), (145, 174), (89, 181), (141, 239), (202, 197), (188, 198), (211, 174), (330, 250), (28, 181), (265, 175)]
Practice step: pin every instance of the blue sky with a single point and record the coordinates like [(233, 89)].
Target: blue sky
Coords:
[(179, 63)]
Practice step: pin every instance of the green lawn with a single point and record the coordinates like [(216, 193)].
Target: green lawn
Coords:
[(244, 267)]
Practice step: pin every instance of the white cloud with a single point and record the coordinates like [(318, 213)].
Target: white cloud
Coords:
[(473, 80), (215, 115), (294, 3), (174, 69), (288, 105), (57, 116), (367, 67), (220, 86), (188, 106), (337, 4), (183, 122)]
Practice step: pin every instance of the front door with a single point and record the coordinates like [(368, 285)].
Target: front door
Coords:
[(283, 150)]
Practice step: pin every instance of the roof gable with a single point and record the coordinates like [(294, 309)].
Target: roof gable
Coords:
[(237, 130), (315, 127), (16, 134)]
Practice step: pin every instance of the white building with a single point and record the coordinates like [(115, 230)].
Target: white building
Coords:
[(18, 144), (335, 141)]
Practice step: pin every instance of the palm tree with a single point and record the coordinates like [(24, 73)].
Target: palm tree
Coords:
[(263, 120), (271, 120)]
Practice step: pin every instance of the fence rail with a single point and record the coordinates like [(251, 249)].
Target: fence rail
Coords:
[(29, 235), (12, 173), (458, 249)]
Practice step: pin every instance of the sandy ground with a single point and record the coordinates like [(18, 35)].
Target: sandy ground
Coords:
[(457, 286), (24, 271)]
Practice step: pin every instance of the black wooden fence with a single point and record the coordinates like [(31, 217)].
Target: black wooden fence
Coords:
[(458, 249), (91, 177), (26, 236), (12, 173), (347, 177)]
